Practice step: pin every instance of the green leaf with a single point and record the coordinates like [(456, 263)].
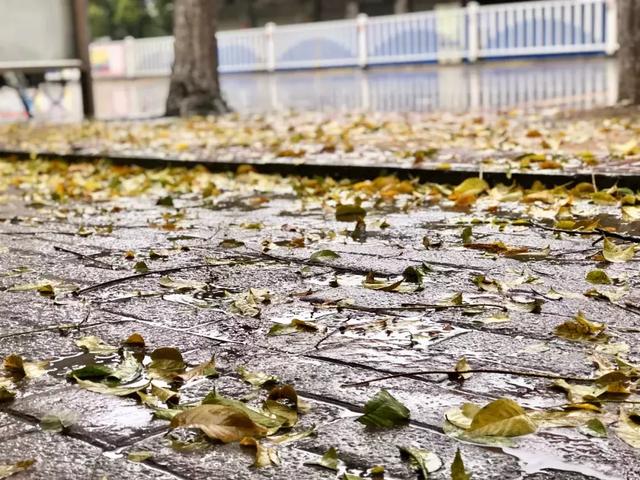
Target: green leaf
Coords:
[(598, 277), (6, 470), (350, 213), (219, 422), (6, 395), (295, 326), (93, 344), (93, 370), (322, 255), (57, 422), (617, 253), (422, 461), (165, 201), (257, 379), (329, 460), (594, 428), (502, 418), (384, 411), (466, 235), (140, 456), (141, 267), (416, 274), (230, 243), (458, 471)]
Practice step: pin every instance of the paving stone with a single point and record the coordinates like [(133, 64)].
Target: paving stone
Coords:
[(11, 426), (103, 419), (58, 457)]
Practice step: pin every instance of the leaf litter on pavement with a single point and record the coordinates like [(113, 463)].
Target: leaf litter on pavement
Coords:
[(600, 405)]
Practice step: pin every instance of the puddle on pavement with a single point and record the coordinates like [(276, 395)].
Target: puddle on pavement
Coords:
[(63, 365), (533, 462)]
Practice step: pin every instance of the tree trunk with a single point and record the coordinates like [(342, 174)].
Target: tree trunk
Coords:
[(629, 53), (195, 87)]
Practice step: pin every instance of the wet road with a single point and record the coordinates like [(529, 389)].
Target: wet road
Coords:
[(569, 82)]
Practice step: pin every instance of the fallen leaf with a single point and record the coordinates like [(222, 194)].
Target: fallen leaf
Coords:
[(219, 422), (594, 428), (617, 253), (295, 326), (422, 461), (461, 367), (93, 344), (206, 369), (166, 363), (57, 422), (580, 329), (139, 456), (265, 456), (458, 471), (384, 411), (350, 213), (323, 255), (6, 470), (502, 418), (257, 379), (628, 428), (598, 277), (329, 460)]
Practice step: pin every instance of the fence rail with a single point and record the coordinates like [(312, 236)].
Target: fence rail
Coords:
[(525, 29)]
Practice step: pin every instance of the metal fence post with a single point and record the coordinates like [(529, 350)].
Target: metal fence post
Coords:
[(361, 25), (129, 56), (472, 31), (612, 27), (270, 54)]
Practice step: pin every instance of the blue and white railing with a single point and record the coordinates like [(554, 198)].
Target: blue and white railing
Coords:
[(525, 29)]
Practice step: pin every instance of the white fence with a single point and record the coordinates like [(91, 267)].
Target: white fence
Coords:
[(525, 29)]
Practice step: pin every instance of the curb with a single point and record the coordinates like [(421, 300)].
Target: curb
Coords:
[(358, 172)]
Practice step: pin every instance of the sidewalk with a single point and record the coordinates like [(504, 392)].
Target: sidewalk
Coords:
[(109, 251), (442, 147)]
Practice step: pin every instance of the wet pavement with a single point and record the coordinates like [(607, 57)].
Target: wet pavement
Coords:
[(552, 144), (80, 229), (567, 83)]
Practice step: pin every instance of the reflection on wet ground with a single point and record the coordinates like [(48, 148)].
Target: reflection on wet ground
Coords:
[(575, 83)]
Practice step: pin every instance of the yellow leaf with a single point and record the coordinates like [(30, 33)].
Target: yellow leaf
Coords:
[(471, 187), (616, 253), (502, 418), (628, 428), (581, 329)]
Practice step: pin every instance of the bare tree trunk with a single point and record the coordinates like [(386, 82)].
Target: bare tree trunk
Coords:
[(195, 87), (629, 53)]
